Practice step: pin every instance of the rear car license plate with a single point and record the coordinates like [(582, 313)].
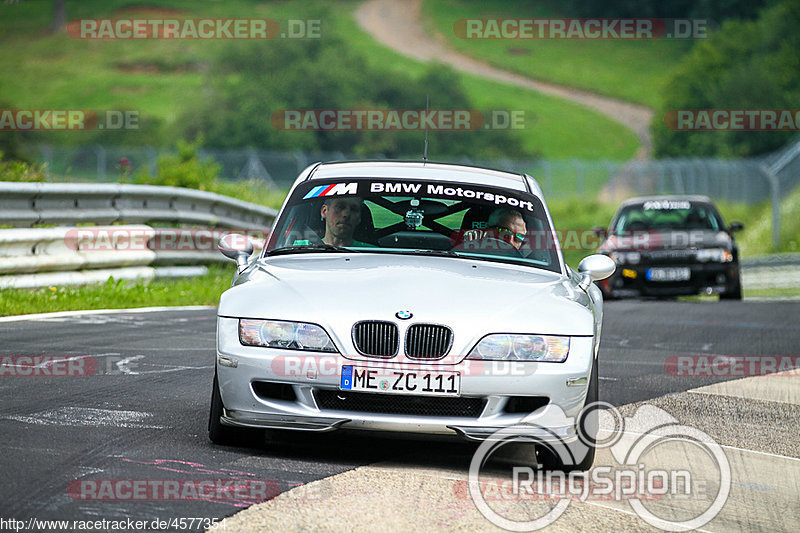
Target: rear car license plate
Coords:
[(400, 381), (669, 274)]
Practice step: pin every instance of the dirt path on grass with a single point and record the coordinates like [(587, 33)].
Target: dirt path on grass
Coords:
[(397, 25)]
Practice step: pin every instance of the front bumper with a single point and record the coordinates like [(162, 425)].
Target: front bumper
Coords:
[(500, 389), (709, 278)]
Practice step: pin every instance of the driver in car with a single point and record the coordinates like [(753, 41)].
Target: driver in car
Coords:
[(341, 216), (504, 224)]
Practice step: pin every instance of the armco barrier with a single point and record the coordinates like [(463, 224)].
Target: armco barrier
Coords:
[(42, 256), (39, 257), (29, 204)]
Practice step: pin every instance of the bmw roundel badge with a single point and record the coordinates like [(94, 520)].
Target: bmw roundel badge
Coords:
[(403, 315)]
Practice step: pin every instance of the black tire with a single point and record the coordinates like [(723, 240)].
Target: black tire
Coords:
[(733, 294), (585, 447), (224, 435)]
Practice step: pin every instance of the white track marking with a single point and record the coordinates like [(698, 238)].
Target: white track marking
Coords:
[(122, 365), (695, 391), (88, 417), (775, 455), (60, 314)]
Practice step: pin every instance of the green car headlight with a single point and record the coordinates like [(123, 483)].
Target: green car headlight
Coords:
[(508, 347), (285, 335)]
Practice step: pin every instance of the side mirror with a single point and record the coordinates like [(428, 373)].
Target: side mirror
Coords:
[(236, 247), (600, 231), (594, 268), (736, 226)]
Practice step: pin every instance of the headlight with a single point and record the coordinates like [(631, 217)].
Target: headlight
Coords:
[(633, 258), (718, 255), (546, 348), (622, 258), (286, 335)]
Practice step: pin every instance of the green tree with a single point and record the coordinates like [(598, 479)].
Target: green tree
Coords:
[(746, 65), (251, 81)]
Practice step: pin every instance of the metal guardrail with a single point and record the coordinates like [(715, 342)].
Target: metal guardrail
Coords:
[(69, 248), (39, 257), (778, 271), (68, 255), (773, 260), (29, 204)]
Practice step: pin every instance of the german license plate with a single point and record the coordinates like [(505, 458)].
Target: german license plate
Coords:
[(669, 274), (390, 381)]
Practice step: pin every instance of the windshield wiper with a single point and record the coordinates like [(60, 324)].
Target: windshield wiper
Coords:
[(321, 247), (447, 253)]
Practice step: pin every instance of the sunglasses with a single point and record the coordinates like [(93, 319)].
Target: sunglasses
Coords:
[(520, 237)]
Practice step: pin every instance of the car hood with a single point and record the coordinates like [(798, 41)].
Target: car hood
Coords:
[(472, 297)]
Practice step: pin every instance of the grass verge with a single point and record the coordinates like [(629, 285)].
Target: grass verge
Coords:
[(119, 294), (747, 294), (554, 128), (633, 70), (162, 78)]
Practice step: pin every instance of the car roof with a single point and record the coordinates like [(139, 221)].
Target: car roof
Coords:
[(672, 197), (401, 170)]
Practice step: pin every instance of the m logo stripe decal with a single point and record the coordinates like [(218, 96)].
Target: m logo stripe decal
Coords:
[(313, 193)]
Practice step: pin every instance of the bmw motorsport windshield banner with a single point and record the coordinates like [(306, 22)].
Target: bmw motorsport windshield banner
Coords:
[(456, 191)]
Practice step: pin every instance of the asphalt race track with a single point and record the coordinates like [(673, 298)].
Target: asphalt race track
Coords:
[(142, 414)]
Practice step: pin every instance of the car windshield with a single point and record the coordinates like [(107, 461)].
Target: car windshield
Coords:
[(416, 217), (667, 215)]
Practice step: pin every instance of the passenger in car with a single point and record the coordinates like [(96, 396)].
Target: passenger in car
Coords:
[(504, 224), (509, 226)]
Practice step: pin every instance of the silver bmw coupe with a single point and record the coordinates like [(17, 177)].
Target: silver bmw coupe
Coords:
[(407, 297)]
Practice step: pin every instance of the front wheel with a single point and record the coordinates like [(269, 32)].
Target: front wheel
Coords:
[(582, 451), (735, 293), (221, 434)]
